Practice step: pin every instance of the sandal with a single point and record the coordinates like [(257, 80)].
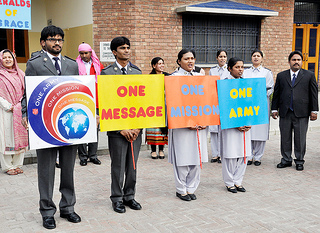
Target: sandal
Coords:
[(154, 155), (161, 155), (12, 172), (19, 170)]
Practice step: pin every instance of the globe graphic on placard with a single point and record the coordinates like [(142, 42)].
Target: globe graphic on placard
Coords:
[(73, 123)]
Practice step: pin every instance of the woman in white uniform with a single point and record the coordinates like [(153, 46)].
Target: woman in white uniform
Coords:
[(259, 133), (232, 143), (222, 71), (183, 144)]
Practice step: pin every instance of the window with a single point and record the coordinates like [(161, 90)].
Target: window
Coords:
[(307, 11), (21, 43), (206, 34)]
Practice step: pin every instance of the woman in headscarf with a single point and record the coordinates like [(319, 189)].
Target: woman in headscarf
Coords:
[(13, 136)]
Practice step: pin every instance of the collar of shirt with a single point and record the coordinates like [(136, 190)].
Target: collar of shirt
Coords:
[(53, 61), (291, 73), (120, 67), (257, 69), (88, 66), (184, 72), (231, 77), (222, 67)]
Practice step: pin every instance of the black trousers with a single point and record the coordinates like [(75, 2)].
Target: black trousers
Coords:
[(123, 175), (90, 153), (298, 126), (89, 150), (46, 172)]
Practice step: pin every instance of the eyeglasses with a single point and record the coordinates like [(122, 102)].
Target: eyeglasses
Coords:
[(60, 41)]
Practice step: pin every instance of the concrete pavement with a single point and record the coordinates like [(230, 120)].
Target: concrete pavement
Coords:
[(277, 200)]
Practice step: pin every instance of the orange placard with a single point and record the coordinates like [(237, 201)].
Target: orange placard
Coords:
[(191, 101)]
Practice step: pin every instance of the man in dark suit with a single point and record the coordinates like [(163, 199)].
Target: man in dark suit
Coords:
[(52, 63), (296, 98), (36, 53), (123, 175)]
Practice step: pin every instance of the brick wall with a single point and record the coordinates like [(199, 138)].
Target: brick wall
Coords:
[(276, 33), (155, 29)]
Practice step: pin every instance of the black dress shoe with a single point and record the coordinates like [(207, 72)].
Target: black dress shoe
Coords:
[(249, 162), (219, 160), (299, 167), (232, 189), (118, 207), (184, 198), (214, 160), (49, 222), (257, 163), (95, 161), (72, 217), (83, 162), (192, 196), (240, 188), (283, 165), (133, 204)]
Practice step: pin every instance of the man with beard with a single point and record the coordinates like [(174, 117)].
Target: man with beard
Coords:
[(296, 98), (89, 64), (52, 63)]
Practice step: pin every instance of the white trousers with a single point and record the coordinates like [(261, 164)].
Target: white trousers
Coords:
[(215, 144), (233, 171), (11, 161), (257, 150), (187, 178)]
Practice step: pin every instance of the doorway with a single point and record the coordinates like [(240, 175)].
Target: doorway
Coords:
[(306, 39)]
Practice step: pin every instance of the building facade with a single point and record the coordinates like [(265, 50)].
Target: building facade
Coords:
[(156, 28), (163, 27)]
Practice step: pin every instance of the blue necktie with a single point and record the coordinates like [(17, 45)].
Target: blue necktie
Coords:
[(293, 80), (123, 70), (292, 84), (56, 64)]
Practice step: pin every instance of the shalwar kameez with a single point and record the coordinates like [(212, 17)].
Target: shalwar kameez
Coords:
[(215, 135), (183, 153), (260, 133), (234, 147)]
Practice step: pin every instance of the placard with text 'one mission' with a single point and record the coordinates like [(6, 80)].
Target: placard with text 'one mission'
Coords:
[(131, 101), (61, 110), (191, 101), (243, 102)]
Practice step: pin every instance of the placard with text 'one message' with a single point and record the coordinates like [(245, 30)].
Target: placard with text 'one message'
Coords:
[(131, 101)]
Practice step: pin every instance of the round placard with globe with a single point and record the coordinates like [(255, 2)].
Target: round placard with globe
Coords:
[(73, 123)]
